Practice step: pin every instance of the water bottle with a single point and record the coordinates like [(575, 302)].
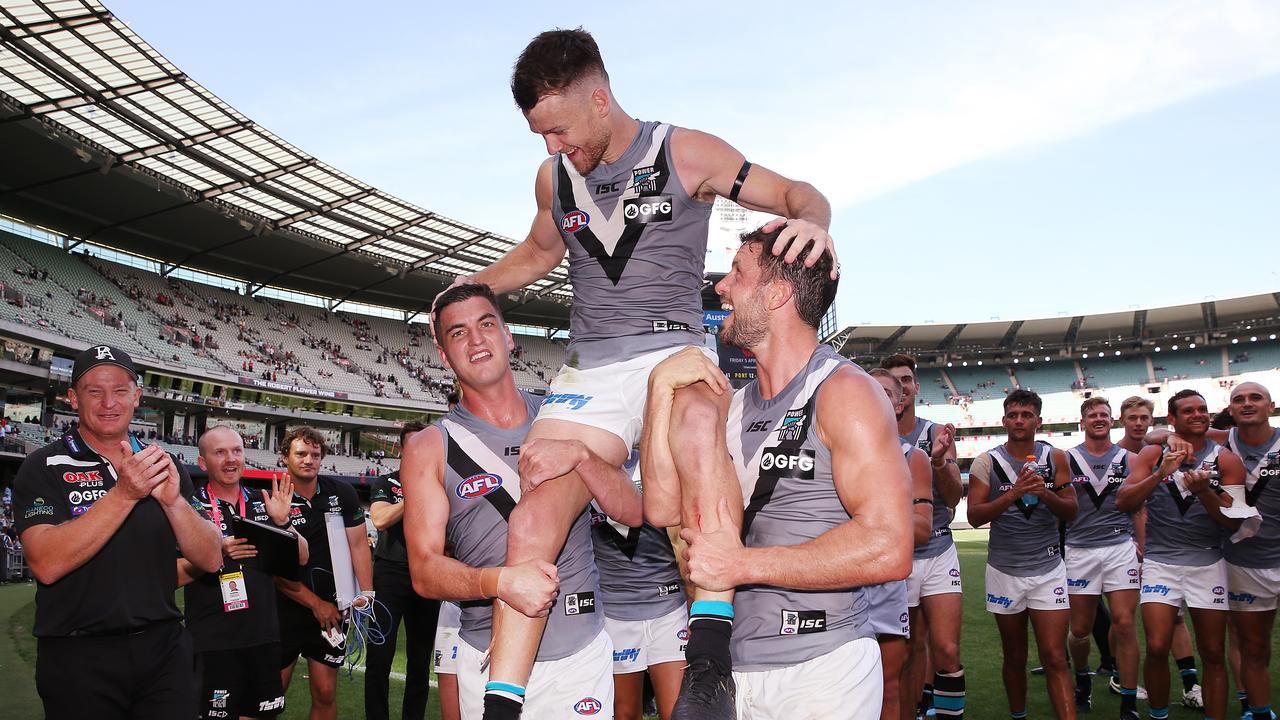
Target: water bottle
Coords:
[(1031, 463)]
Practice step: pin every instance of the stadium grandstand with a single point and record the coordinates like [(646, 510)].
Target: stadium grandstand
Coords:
[(966, 369)]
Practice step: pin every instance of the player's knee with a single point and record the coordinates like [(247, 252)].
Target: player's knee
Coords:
[(695, 419), (1053, 661), (324, 694), (1158, 648), (528, 535), (946, 656), (1256, 647), (1124, 627)]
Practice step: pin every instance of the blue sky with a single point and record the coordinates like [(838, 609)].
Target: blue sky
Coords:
[(983, 160)]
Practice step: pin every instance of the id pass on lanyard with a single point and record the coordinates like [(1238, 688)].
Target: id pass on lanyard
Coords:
[(235, 596)]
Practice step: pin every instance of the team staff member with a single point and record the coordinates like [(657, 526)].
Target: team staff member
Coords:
[(461, 486), (307, 609), (232, 613), (630, 202), (1101, 555), (1023, 488), (934, 598), (1183, 554), (827, 494), (645, 610), (99, 515), (396, 601)]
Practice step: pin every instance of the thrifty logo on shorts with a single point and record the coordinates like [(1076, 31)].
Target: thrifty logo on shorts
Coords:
[(575, 401), (1155, 589), (1245, 598), (1078, 583), (627, 655), (999, 600)]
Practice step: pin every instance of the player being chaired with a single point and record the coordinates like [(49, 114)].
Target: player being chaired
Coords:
[(630, 202)]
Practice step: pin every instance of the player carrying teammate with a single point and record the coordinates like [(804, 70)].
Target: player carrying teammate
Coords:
[(814, 446)]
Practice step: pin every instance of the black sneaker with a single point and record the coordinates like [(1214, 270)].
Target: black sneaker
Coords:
[(1084, 697), (706, 693), (1130, 715), (1105, 671), (1037, 670)]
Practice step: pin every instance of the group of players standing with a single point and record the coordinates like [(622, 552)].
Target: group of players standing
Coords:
[(800, 497)]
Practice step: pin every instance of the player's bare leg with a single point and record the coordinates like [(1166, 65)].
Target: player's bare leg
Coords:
[(537, 529), (702, 463)]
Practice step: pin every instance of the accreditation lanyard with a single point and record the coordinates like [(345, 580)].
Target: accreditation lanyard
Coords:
[(235, 596)]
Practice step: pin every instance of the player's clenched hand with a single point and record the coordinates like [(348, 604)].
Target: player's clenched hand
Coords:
[(168, 491), (141, 472), (546, 459), (1170, 462), (685, 368), (715, 558), (1178, 444), (529, 587), (796, 235), (238, 548)]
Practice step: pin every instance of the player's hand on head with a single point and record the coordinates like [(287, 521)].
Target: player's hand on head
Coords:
[(529, 587), (545, 459), (798, 233), (459, 280), (688, 367), (141, 472), (714, 555)]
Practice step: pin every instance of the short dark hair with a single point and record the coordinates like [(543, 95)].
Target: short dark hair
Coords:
[(899, 360), (452, 398), (410, 428), (306, 434), (813, 288), (457, 294), (1179, 396), (1223, 420), (553, 61), (1023, 397)]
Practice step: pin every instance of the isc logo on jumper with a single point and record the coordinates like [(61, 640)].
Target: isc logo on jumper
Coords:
[(478, 486), (575, 221), (579, 603), (644, 210), (803, 622)]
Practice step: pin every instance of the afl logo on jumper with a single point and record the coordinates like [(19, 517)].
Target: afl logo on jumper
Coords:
[(574, 221), (644, 210), (478, 486), (588, 706)]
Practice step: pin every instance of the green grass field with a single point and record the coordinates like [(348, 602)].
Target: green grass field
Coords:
[(980, 645)]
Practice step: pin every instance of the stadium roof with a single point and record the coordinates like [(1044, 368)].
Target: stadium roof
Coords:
[(105, 140), (1200, 322)]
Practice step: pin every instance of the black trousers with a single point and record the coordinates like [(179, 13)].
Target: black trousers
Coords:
[(396, 601), (147, 676)]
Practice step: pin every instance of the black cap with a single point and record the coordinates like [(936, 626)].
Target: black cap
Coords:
[(101, 355)]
